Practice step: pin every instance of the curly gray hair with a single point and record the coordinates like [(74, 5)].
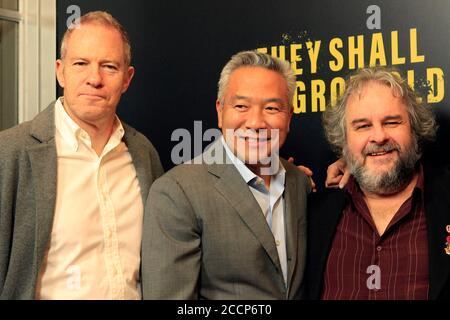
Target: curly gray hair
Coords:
[(422, 120)]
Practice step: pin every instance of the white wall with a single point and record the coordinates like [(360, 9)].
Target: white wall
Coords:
[(37, 81)]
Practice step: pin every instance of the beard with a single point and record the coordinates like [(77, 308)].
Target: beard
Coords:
[(390, 181)]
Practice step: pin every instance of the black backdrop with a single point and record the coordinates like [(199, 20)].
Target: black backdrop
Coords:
[(179, 48)]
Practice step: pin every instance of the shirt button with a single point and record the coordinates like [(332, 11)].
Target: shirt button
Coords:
[(379, 248), (277, 242)]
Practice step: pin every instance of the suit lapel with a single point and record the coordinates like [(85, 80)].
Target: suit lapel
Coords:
[(324, 213), (43, 165), (43, 170), (140, 161), (292, 219), (233, 188)]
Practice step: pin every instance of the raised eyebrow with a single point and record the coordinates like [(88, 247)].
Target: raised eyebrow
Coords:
[(78, 59), (265, 101), (239, 97), (110, 62), (236, 99), (359, 121), (277, 100), (394, 117), (365, 120)]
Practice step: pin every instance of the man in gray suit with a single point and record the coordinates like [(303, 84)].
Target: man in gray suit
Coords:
[(234, 226), (74, 180)]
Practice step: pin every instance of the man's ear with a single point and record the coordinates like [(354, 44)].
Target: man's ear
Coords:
[(59, 67), (291, 112), (219, 109), (128, 77)]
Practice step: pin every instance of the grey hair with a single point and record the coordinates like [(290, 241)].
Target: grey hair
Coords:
[(102, 18), (421, 118), (257, 59)]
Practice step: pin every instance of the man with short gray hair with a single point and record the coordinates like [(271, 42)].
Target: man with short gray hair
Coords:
[(234, 226), (387, 234)]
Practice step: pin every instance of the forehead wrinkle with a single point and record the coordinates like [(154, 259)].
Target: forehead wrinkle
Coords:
[(240, 97)]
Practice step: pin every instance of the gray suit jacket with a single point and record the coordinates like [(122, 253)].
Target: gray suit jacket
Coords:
[(28, 194), (205, 237)]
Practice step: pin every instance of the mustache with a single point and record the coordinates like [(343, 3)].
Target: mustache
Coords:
[(387, 147)]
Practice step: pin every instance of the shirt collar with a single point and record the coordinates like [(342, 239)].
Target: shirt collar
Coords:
[(71, 132), (66, 127), (248, 175)]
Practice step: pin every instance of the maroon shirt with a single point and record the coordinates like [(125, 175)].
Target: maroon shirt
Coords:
[(401, 253)]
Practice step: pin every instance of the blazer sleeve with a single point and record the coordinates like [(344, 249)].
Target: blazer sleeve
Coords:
[(9, 167), (171, 244)]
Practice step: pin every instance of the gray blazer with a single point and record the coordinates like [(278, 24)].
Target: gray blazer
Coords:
[(28, 194), (205, 237)]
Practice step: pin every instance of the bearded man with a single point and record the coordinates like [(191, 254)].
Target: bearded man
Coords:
[(386, 234)]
